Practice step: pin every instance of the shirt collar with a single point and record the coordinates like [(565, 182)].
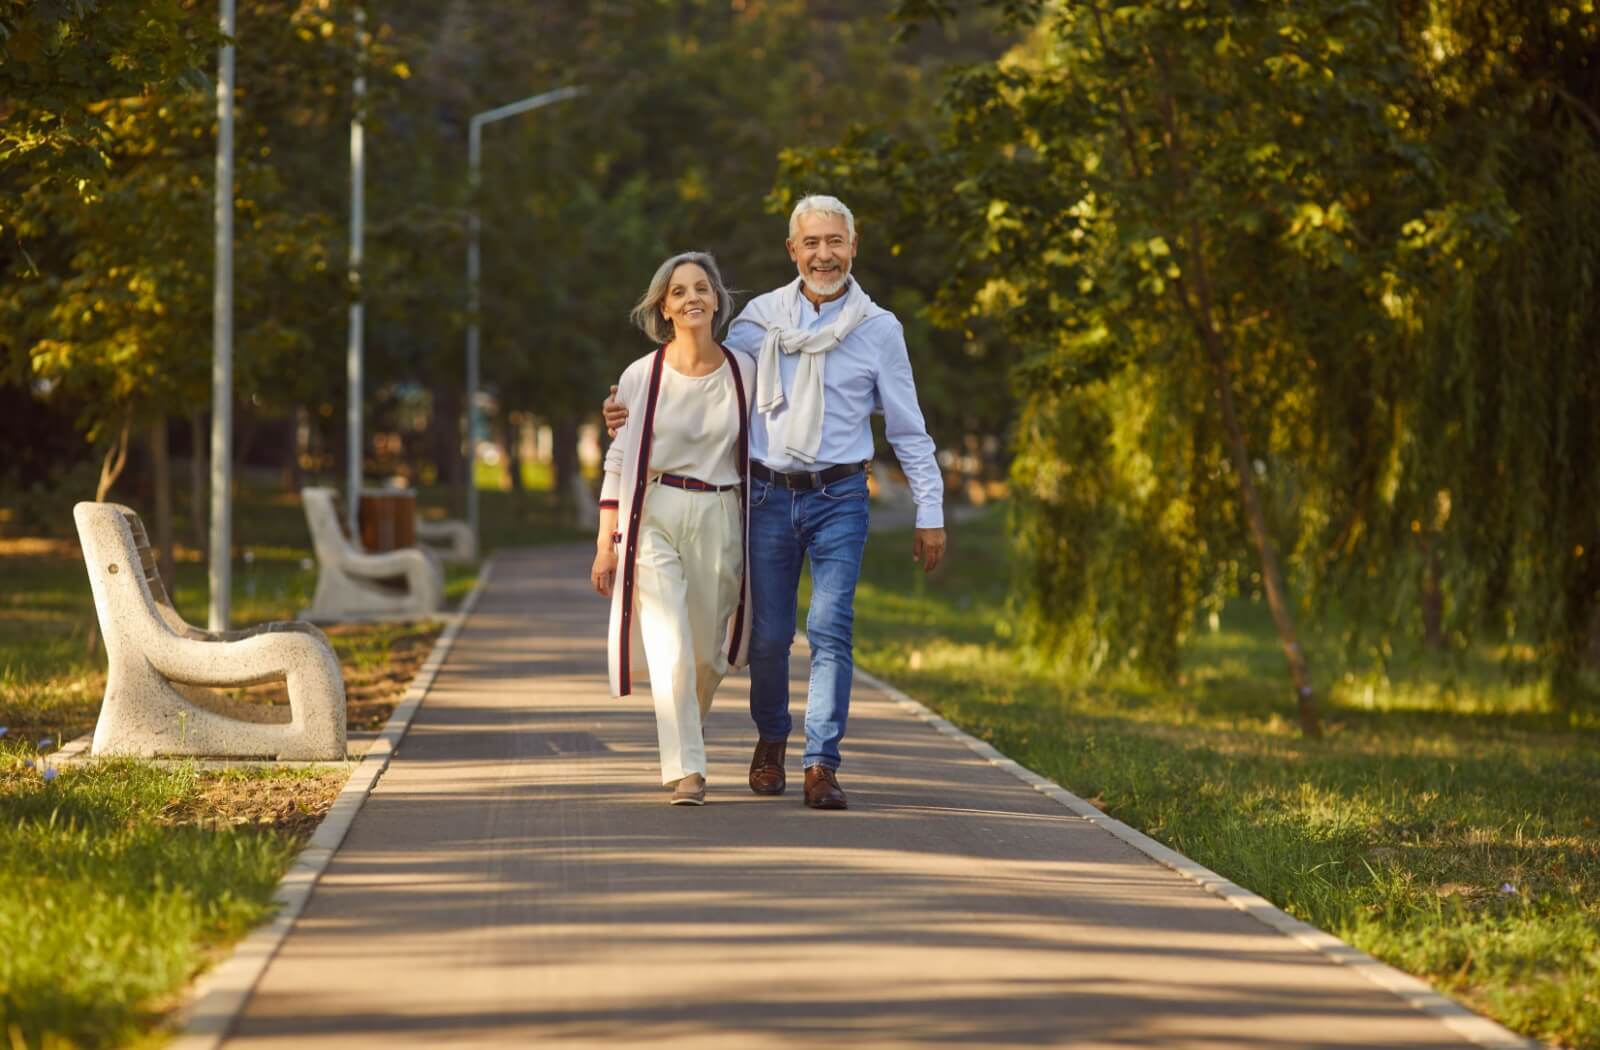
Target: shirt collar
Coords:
[(810, 315)]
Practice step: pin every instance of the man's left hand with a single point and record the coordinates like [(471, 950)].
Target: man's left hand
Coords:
[(927, 547)]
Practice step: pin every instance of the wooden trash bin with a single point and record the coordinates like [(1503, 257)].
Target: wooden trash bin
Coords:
[(388, 519)]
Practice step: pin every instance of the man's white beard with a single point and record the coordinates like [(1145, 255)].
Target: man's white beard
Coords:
[(824, 290)]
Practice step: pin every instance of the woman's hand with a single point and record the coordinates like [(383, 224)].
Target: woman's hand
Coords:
[(604, 573)]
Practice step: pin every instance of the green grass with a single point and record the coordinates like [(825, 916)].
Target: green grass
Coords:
[(536, 476), (109, 909), (110, 904), (1447, 824)]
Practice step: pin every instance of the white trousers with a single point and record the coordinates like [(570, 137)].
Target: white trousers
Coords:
[(687, 582)]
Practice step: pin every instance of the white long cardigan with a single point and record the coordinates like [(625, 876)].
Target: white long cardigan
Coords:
[(627, 465)]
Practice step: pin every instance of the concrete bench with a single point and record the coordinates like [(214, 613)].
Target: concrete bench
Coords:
[(450, 539), (406, 584), (161, 696)]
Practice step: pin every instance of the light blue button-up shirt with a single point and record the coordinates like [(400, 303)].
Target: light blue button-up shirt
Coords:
[(870, 370)]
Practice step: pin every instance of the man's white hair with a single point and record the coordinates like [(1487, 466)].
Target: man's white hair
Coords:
[(824, 205)]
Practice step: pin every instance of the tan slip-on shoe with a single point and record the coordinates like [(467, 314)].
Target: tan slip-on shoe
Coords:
[(690, 791)]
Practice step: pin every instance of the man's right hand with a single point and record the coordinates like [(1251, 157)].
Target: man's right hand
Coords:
[(616, 413)]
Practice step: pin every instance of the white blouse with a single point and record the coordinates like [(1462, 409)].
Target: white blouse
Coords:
[(697, 426)]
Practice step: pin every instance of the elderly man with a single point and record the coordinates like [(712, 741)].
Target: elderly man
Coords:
[(827, 358)]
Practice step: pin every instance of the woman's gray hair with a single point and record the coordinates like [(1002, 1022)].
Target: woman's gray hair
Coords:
[(647, 314), (825, 205)]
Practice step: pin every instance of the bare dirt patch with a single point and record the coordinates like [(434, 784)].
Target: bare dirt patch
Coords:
[(290, 805), (372, 693)]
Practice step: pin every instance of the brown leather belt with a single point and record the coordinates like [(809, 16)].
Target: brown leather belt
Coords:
[(679, 481), (805, 479)]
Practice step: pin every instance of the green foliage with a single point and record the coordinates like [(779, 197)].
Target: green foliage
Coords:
[(675, 147), (1363, 225), (1116, 189), (1485, 459), (62, 61), (108, 280), (122, 299), (106, 297)]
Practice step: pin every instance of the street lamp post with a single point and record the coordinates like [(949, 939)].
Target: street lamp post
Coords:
[(474, 160), (221, 574), (353, 352)]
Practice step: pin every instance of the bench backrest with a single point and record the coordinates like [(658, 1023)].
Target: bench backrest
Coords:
[(149, 564), (150, 571), (330, 536), (123, 569)]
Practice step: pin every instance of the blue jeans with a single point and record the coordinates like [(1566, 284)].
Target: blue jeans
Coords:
[(828, 526)]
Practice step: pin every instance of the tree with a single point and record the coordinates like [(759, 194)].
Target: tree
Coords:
[(676, 146), (1256, 260), (1487, 470), (60, 62), (1175, 206), (108, 295)]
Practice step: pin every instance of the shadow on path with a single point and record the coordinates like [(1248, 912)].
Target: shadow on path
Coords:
[(516, 879)]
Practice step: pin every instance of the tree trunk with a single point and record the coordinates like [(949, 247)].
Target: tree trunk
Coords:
[(197, 483), (445, 446), (161, 463), (1578, 631), (293, 476), (564, 455), (1271, 574), (1202, 316), (1432, 597), (1592, 649), (1200, 306), (246, 427), (115, 459), (513, 439)]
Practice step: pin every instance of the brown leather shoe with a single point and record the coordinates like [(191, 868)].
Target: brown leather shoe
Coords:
[(822, 789), (766, 768)]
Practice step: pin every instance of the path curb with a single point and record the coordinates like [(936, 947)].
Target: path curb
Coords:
[(220, 994), (1476, 1029)]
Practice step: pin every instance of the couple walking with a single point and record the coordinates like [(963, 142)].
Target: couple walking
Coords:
[(731, 464)]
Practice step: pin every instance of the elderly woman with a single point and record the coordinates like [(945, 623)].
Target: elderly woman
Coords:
[(673, 514)]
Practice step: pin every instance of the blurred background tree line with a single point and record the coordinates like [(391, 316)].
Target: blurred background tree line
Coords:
[(1293, 301), (106, 171)]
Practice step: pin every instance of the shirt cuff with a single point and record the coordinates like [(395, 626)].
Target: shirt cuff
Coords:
[(930, 517), (611, 488)]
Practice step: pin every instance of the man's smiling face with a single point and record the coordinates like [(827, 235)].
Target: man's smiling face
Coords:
[(822, 250)]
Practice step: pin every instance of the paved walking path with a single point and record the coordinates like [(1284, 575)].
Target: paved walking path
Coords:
[(516, 879)]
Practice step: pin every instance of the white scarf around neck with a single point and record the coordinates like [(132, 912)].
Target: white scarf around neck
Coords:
[(794, 424)]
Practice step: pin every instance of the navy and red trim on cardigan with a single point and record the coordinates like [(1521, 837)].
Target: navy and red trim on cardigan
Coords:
[(630, 555), (744, 502)]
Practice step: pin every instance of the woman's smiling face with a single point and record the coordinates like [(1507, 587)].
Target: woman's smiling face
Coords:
[(690, 303)]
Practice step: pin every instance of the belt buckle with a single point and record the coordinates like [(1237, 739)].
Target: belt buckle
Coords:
[(816, 478)]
